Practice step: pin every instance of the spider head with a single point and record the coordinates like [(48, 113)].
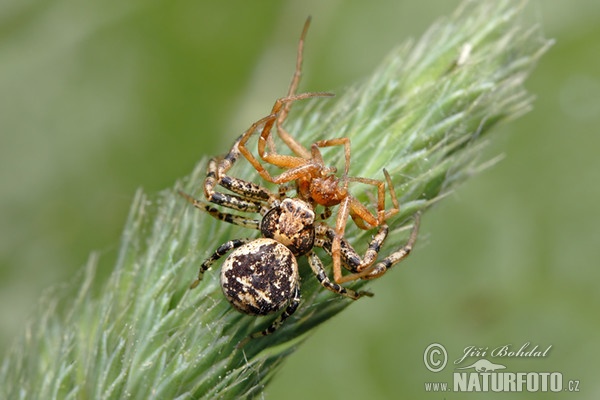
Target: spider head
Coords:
[(292, 224)]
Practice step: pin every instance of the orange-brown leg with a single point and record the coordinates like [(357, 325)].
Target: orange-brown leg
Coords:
[(296, 147), (365, 267), (395, 205), (340, 228), (274, 159), (363, 218), (343, 141), (351, 260), (354, 262), (269, 119), (297, 167), (265, 136), (381, 267)]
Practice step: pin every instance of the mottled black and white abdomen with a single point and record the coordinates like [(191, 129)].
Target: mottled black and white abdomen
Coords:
[(260, 277)]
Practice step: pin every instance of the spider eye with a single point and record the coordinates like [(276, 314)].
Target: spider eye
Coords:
[(288, 206)]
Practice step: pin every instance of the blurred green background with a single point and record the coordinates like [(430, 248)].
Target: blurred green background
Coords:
[(100, 98)]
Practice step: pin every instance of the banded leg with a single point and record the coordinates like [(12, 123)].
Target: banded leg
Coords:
[(350, 258), (325, 214), (220, 252), (248, 190), (221, 216), (289, 310), (317, 267), (249, 196), (364, 219), (381, 267), (218, 167), (236, 203)]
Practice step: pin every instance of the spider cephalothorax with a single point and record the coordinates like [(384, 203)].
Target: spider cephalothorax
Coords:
[(291, 223)]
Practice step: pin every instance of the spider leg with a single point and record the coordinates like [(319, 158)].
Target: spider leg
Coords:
[(250, 192), (362, 267), (325, 214), (343, 141), (215, 176), (267, 122), (361, 216), (360, 212), (319, 271), (297, 72), (296, 167), (250, 196), (289, 310), (340, 228), (227, 217), (220, 252), (218, 167), (296, 147), (364, 220), (395, 205), (265, 136), (284, 189), (236, 202), (247, 189), (349, 256), (381, 267)]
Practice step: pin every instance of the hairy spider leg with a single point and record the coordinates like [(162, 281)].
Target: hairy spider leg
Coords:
[(267, 123), (250, 196), (364, 219), (299, 167), (381, 267), (287, 312), (220, 252), (317, 266), (288, 139), (357, 264), (349, 256), (219, 167), (222, 216)]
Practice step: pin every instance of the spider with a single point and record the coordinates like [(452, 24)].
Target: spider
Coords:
[(260, 276), (315, 182)]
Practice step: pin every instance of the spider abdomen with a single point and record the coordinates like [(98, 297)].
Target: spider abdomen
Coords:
[(260, 277)]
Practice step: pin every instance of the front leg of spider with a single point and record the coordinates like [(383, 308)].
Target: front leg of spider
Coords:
[(319, 271), (365, 266), (247, 197), (384, 265)]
